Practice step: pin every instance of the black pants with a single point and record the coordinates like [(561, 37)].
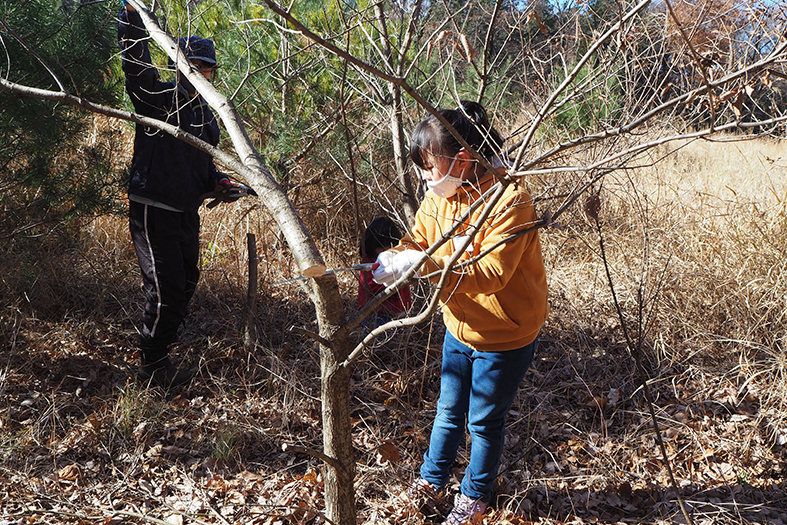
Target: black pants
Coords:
[(167, 246)]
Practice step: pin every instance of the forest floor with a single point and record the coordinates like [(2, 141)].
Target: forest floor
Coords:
[(82, 442)]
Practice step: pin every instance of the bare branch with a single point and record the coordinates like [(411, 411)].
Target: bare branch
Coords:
[(33, 52)]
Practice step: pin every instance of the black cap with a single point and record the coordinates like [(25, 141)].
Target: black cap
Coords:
[(198, 48)]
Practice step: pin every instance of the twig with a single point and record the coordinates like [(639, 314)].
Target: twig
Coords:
[(313, 453), (294, 509), (399, 81), (108, 512), (697, 59), (313, 335), (33, 52), (635, 353), (542, 113), (250, 311)]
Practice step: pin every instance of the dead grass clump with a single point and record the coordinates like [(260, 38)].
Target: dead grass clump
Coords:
[(692, 239)]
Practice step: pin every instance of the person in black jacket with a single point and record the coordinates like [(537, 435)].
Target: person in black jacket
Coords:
[(168, 177)]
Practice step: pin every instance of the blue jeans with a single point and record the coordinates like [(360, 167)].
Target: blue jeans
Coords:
[(480, 386)]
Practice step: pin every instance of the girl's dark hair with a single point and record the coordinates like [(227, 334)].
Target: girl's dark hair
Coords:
[(382, 232), (470, 119)]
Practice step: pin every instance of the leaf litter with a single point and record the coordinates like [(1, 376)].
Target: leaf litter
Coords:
[(578, 450)]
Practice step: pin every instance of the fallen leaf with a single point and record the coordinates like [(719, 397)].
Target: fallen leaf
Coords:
[(614, 396), (250, 476), (597, 402), (624, 489), (235, 497), (388, 453), (94, 422), (70, 473), (174, 519)]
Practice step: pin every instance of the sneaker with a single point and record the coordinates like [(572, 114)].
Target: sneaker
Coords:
[(423, 497), (163, 373), (466, 511)]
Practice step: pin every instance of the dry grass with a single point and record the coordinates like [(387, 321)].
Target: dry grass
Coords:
[(695, 245), (697, 241)]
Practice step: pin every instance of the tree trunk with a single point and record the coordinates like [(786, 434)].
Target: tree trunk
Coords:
[(409, 199), (337, 433), (335, 396)]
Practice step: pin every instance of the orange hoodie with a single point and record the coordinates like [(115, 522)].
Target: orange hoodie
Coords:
[(499, 302)]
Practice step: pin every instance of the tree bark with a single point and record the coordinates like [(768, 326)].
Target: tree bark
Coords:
[(409, 199), (250, 313), (337, 430)]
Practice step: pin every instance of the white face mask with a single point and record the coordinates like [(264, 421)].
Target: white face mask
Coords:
[(447, 186)]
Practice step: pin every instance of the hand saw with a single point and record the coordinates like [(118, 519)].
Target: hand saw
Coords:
[(366, 267)]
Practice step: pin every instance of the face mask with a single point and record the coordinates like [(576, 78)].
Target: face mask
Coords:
[(447, 186)]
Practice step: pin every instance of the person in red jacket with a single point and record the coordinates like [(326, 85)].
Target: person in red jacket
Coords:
[(381, 234), (493, 305)]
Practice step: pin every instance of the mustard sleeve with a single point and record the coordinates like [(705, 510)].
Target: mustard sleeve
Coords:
[(491, 273)]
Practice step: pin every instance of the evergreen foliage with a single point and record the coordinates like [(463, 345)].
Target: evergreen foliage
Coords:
[(55, 161), (285, 91), (597, 102)]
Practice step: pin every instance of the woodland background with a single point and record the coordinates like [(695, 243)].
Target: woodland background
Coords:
[(669, 255)]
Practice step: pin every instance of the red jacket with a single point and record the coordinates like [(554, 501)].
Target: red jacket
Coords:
[(367, 289)]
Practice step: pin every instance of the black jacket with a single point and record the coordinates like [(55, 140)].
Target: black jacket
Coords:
[(164, 168)]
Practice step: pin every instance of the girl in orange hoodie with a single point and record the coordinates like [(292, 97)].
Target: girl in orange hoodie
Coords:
[(493, 307)]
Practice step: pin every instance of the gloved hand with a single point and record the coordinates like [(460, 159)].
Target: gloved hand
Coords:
[(393, 265), (383, 274), (459, 240), (229, 192)]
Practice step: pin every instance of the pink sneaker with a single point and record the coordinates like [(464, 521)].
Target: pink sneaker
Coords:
[(466, 511)]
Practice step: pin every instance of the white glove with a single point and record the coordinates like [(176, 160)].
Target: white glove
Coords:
[(383, 273), (459, 240), (402, 262), (393, 265)]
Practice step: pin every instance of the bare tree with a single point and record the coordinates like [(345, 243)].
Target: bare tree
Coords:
[(595, 96)]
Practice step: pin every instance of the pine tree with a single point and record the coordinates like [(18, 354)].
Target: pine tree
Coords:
[(55, 160)]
